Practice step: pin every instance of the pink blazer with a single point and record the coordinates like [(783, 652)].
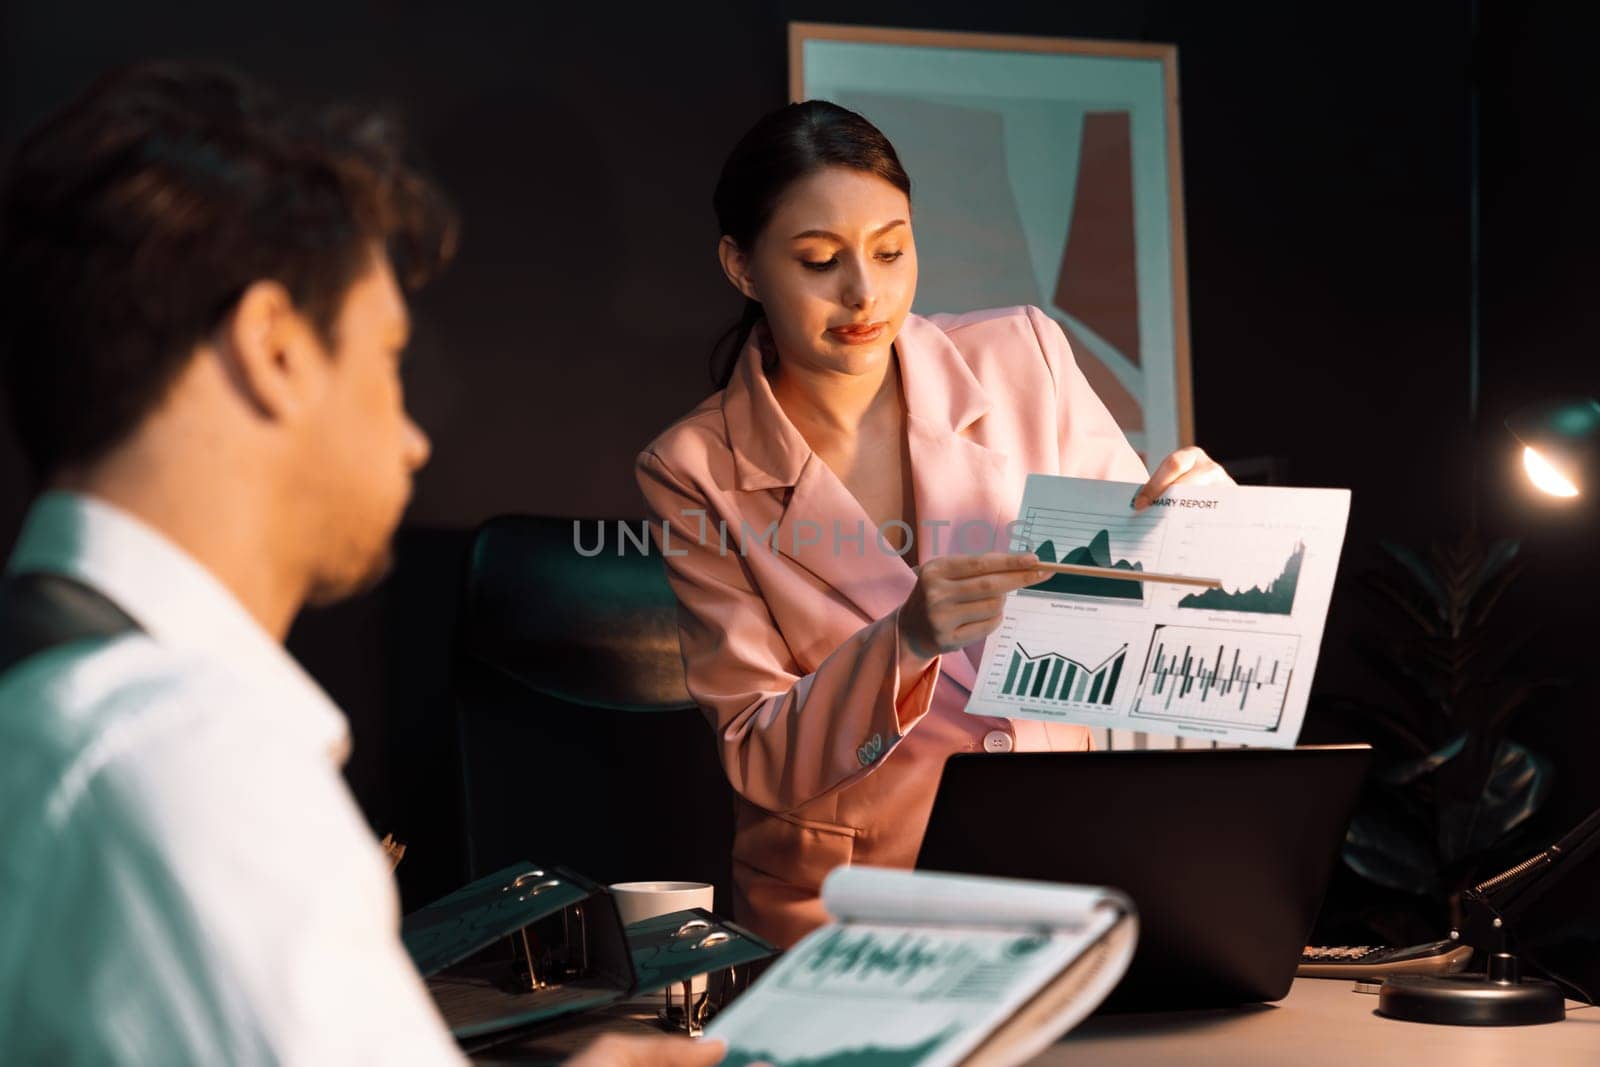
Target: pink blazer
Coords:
[(790, 646)]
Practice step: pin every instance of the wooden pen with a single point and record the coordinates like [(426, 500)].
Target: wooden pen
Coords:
[(1122, 574)]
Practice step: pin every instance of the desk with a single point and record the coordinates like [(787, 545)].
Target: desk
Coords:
[(1322, 1023)]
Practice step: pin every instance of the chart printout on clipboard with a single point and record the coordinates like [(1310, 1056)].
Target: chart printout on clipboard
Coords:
[(1232, 663)]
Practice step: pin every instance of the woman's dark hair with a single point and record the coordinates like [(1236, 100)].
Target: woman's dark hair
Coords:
[(133, 220), (783, 147)]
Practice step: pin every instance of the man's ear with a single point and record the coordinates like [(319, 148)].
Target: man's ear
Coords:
[(265, 346), (736, 265)]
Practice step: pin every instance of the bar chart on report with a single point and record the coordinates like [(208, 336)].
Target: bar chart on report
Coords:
[(1050, 677), (1229, 677)]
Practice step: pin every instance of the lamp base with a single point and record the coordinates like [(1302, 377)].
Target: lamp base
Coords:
[(1494, 999)]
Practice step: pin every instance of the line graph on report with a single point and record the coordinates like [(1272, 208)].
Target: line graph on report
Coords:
[(1259, 566), (1228, 677), (1124, 541)]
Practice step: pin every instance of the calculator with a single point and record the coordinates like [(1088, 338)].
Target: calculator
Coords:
[(1380, 961)]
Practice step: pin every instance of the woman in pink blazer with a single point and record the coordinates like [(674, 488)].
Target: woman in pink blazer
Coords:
[(833, 519)]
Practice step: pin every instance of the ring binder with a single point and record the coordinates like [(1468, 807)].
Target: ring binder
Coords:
[(531, 943)]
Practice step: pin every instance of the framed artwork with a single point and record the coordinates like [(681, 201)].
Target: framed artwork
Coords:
[(1044, 171)]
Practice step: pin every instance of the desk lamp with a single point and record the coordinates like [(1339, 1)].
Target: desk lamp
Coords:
[(1561, 453), (1560, 443)]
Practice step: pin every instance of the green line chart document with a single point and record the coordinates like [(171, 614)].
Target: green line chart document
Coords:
[(1231, 663), (932, 969)]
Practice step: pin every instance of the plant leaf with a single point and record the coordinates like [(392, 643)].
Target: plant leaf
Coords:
[(1422, 574), (1495, 561), (1408, 771), (1380, 586), (1516, 790), (1385, 847), (1493, 588), (1368, 718), (1517, 786)]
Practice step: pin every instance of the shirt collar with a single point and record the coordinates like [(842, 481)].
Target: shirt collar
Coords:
[(174, 599)]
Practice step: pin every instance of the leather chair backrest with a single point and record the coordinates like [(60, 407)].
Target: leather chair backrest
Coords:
[(595, 630), (579, 742)]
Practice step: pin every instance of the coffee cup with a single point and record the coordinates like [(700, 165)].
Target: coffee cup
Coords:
[(637, 901)]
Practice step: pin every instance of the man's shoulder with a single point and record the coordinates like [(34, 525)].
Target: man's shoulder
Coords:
[(74, 710), (79, 685), (177, 750), (156, 822)]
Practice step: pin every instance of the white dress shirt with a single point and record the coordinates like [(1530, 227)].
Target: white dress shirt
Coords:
[(184, 877)]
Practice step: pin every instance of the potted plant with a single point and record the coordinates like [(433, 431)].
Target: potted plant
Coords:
[(1450, 790)]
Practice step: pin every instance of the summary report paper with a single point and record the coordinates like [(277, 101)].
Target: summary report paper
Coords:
[(1228, 664)]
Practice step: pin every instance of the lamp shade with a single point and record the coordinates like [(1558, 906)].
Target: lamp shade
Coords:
[(1563, 435)]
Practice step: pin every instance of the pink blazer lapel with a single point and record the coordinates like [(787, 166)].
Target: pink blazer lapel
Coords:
[(825, 530), (959, 485), (822, 527)]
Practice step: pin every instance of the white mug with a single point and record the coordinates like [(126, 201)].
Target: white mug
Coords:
[(637, 901)]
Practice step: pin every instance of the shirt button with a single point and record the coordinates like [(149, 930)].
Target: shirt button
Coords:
[(997, 741)]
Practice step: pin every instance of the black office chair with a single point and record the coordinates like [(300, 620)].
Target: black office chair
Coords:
[(579, 744)]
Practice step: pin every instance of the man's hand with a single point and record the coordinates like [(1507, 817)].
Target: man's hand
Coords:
[(634, 1050)]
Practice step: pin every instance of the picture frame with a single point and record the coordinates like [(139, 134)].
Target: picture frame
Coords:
[(1045, 171)]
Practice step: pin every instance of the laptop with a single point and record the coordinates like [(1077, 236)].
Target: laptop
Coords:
[(1225, 852)]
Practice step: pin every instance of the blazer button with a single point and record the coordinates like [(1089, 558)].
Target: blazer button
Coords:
[(998, 741)]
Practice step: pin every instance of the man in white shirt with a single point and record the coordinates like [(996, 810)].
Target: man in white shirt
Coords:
[(201, 327)]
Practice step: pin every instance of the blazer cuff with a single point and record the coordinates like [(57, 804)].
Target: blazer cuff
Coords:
[(914, 683)]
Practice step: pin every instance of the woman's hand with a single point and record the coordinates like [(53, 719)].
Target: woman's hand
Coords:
[(958, 599), (1190, 466)]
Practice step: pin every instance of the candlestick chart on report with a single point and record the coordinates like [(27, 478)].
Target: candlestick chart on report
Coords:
[(1228, 677)]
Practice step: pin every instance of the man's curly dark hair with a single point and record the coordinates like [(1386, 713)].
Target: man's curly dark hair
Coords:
[(132, 221)]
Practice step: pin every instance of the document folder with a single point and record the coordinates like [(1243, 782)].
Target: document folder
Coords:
[(534, 942)]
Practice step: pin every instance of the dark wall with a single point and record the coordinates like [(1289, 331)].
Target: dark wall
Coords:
[(1541, 336), (1325, 170), (1323, 166)]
